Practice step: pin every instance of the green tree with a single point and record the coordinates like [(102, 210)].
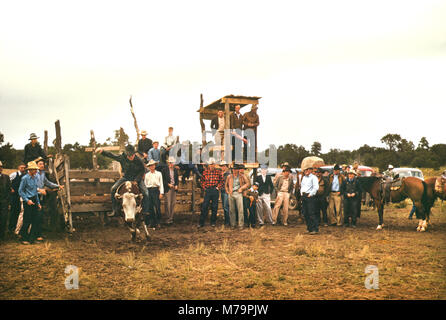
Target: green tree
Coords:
[(423, 144), (316, 148), (391, 140)]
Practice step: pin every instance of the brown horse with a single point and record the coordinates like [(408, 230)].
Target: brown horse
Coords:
[(411, 187)]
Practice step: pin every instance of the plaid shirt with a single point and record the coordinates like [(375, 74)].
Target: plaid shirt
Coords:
[(212, 179)]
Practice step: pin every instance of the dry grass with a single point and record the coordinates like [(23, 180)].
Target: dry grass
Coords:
[(182, 262)]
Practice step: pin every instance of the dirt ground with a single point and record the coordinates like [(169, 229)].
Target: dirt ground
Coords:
[(181, 262)]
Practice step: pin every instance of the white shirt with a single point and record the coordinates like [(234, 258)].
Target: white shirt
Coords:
[(170, 141), (309, 184), (153, 180)]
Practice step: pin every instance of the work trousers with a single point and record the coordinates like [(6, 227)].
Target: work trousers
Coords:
[(236, 205), (283, 198), (335, 209), (31, 216), (225, 204), (153, 207), (350, 209), (171, 198), (309, 212), (266, 209), (210, 198)]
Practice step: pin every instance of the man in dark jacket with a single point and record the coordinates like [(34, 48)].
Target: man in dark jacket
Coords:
[(16, 178), (351, 189), (5, 192), (170, 181), (33, 150), (266, 188), (321, 202), (144, 145), (133, 169)]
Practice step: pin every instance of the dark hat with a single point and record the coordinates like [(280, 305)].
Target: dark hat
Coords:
[(336, 167), (129, 150)]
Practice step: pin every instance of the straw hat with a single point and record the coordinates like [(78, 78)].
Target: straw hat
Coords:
[(144, 133), (33, 136), (32, 165), (151, 162)]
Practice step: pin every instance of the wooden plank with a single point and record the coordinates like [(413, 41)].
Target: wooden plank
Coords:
[(91, 207), (90, 199), (240, 100), (79, 188), (94, 174), (93, 154), (58, 144), (106, 148)]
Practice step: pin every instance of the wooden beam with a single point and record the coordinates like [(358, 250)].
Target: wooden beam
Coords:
[(97, 174), (91, 199), (45, 142), (239, 100), (227, 114), (91, 207), (79, 188), (68, 190), (106, 148)]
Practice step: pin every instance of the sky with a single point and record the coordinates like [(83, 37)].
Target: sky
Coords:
[(343, 73)]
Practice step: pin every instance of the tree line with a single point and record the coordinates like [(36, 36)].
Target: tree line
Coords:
[(399, 152)]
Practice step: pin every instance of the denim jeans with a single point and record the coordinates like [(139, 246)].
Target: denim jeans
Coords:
[(225, 204), (210, 195)]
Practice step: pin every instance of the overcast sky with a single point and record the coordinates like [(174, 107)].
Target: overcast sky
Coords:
[(343, 73)]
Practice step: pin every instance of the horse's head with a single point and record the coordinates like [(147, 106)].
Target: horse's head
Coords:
[(131, 198)]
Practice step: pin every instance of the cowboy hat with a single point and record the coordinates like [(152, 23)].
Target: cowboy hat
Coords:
[(336, 167), (390, 166), (129, 150), (151, 163), (32, 165), (211, 161), (144, 133), (33, 136), (284, 164), (352, 172)]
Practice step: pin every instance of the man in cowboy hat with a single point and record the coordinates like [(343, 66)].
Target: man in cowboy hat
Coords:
[(31, 204), (266, 187), (250, 122), (284, 187), (308, 189), (235, 185), (5, 193), (170, 179), (351, 189), (132, 168), (155, 186), (144, 145), (16, 202), (33, 150), (282, 166), (335, 212), (212, 182)]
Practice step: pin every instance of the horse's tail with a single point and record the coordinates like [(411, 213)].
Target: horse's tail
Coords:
[(425, 199)]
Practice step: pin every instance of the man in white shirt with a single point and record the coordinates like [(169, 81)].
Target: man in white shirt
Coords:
[(154, 183), (308, 189)]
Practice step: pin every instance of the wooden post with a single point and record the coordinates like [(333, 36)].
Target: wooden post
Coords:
[(134, 120), (94, 157), (67, 188), (193, 193), (203, 127), (45, 142), (58, 144)]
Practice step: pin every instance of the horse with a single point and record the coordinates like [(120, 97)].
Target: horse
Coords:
[(411, 187), (130, 198), (433, 194)]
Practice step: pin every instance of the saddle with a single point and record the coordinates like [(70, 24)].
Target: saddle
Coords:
[(396, 184)]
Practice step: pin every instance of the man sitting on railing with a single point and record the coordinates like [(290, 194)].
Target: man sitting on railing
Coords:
[(133, 170)]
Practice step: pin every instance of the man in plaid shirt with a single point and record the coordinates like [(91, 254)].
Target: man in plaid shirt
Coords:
[(212, 182)]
